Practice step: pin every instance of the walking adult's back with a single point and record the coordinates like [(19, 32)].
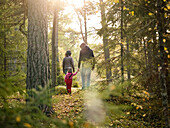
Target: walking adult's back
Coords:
[(86, 64), (68, 62)]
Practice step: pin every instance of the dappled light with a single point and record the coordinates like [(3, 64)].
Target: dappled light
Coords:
[(84, 64)]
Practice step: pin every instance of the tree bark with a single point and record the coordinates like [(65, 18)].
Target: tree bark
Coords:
[(38, 71), (145, 52), (163, 58), (122, 57), (54, 34), (105, 42), (128, 61), (55, 54), (57, 51)]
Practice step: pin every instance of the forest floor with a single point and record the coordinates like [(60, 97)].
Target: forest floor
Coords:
[(82, 106), (68, 106)]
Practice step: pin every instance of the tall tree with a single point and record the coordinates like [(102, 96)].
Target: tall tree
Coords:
[(85, 21), (105, 41), (121, 45), (55, 54), (163, 60), (54, 34), (38, 70)]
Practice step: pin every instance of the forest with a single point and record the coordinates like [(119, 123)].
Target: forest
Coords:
[(128, 84)]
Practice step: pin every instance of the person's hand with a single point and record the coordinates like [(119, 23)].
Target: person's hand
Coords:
[(78, 70), (92, 68)]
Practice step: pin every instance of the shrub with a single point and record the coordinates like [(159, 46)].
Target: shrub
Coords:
[(60, 80), (60, 90), (75, 84)]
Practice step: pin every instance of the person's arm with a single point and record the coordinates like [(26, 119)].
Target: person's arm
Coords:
[(79, 63), (75, 73), (72, 64), (93, 63), (63, 64)]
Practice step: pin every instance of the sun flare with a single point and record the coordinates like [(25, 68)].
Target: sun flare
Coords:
[(76, 3)]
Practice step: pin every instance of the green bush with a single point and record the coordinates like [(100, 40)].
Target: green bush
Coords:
[(75, 84), (60, 90), (60, 80)]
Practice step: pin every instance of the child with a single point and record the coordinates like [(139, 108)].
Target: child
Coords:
[(68, 79)]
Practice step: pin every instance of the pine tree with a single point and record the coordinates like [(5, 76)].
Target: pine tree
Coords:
[(38, 70)]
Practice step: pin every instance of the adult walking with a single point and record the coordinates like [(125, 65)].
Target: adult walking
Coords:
[(87, 63), (68, 62)]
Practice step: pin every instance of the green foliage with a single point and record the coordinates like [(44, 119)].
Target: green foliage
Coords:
[(60, 90), (25, 115), (60, 80), (75, 84)]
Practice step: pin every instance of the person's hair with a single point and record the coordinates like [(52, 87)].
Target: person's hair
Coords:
[(69, 69), (68, 53), (82, 45)]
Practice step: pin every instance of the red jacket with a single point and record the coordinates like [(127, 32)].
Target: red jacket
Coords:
[(69, 76)]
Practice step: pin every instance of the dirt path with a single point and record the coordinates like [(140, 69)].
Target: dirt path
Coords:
[(69, 106)]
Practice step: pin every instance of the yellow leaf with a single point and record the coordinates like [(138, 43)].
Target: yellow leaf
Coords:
[(71, 124), (149, 41), (137, 107), (164, 40), (128, 113), (168, 56), (127, 8), (165, 15), (86, 125), (168, 7), (164, 0), (116, 1), (112, 88), (18, 119), (133, 13), (150, 14), (124, 8), (158, 65), (165, 48), (27, 125), (144, 115), (150, 29), (165, 9), (148, 1)]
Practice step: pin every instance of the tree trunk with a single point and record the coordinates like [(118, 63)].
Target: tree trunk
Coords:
[(128, 61), (150, 65), (5, 60), (122, 57), (145, 51), (57, 51), (38, 71), (128, 54), (105, 42), (53, 72), (163, 58), (85, 22)]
